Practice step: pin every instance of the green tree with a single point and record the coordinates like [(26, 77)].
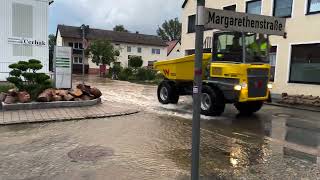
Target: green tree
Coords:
[(170, 30), (120, 28), (25, 77), (52, 41), (135, 62), (103, 52)]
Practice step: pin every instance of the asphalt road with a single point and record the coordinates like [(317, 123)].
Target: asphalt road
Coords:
[(275, 143)]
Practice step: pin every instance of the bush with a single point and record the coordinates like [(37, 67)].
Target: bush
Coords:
[(144, 74), (25, 77), (135, 62), (115, 71), (5, 87), (126, 74)]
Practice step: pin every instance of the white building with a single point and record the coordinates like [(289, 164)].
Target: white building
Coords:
[(295, 60), (150, 48), (23, 33)]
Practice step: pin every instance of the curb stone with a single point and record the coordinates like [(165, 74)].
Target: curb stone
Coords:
[(86, 117)]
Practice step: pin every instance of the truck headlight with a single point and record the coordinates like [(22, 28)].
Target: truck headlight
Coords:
[(270, 86), (244, 85), (237, 87)]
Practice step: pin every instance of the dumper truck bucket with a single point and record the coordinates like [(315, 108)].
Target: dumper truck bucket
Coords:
[(181, 68)]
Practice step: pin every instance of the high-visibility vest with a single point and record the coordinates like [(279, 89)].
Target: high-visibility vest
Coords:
[(262, 49)]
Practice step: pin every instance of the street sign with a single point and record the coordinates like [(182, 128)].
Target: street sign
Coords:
[(243, 22), (85, 44), (62, 67)]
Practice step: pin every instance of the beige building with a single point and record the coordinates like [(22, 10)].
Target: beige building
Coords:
[(295, 60), (150, 48)]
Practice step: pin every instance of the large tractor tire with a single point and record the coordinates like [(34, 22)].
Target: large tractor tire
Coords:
[(248, 108), (212, 101), (167, 93)]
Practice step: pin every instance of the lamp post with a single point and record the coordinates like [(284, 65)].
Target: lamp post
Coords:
[(197, 88)]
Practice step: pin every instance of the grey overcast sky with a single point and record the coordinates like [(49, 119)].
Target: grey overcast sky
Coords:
[(136, 15)]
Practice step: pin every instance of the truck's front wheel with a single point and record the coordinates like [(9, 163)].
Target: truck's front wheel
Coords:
[(248, 108), (212, 102), (167, 93)]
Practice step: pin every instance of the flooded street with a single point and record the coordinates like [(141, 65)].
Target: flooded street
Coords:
[(276, 143)]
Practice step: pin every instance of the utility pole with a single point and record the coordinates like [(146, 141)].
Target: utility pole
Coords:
[(84, 29), (197, 88)]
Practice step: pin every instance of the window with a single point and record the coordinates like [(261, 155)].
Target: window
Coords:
[(272, 59), (282, 8), (313, 6), (253, 7), (22, 26), (77, 60), (77, 45), (128, 48), (155, 51), (192, 24), (305, 64), (139, 50), (230, 8)]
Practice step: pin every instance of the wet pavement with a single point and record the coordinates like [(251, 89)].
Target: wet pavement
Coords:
[(276, 143)]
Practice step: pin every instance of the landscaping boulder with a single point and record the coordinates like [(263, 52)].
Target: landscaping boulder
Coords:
[(46, 95), (86, 97), (56, 98), (61, 93), (68, 97), (13, 92), (95, 92), (10, 99), (84, 88), (24, 97), (3, 96), (76, 92)]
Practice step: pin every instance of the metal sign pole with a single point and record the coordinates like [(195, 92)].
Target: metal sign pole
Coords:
[(83, 54), (197, 90), (244, 47)]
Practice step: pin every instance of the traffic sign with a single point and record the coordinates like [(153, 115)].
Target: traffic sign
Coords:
[(85, 44), (243, 22)]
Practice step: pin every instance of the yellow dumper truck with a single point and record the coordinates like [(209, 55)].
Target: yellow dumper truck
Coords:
[(228, 76)]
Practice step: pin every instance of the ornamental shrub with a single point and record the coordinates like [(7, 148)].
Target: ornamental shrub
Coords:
[(25, 77)]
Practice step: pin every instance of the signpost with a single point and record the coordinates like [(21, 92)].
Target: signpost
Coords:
[(62, 67), (197, 88)]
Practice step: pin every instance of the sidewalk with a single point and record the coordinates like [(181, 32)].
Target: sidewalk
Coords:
[(63, 114), (277, 97)]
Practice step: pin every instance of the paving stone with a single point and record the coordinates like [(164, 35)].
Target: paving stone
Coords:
[(7, 117), (22, 116), (1, 118), (58, 114)]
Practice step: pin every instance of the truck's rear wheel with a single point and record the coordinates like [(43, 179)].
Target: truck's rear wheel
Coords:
[(212, 102), (167, 93), (248, 108)]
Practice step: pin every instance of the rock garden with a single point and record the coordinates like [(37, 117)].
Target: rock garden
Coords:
[(32, 86)]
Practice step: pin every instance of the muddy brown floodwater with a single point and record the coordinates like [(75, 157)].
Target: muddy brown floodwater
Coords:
[(276, 143)]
